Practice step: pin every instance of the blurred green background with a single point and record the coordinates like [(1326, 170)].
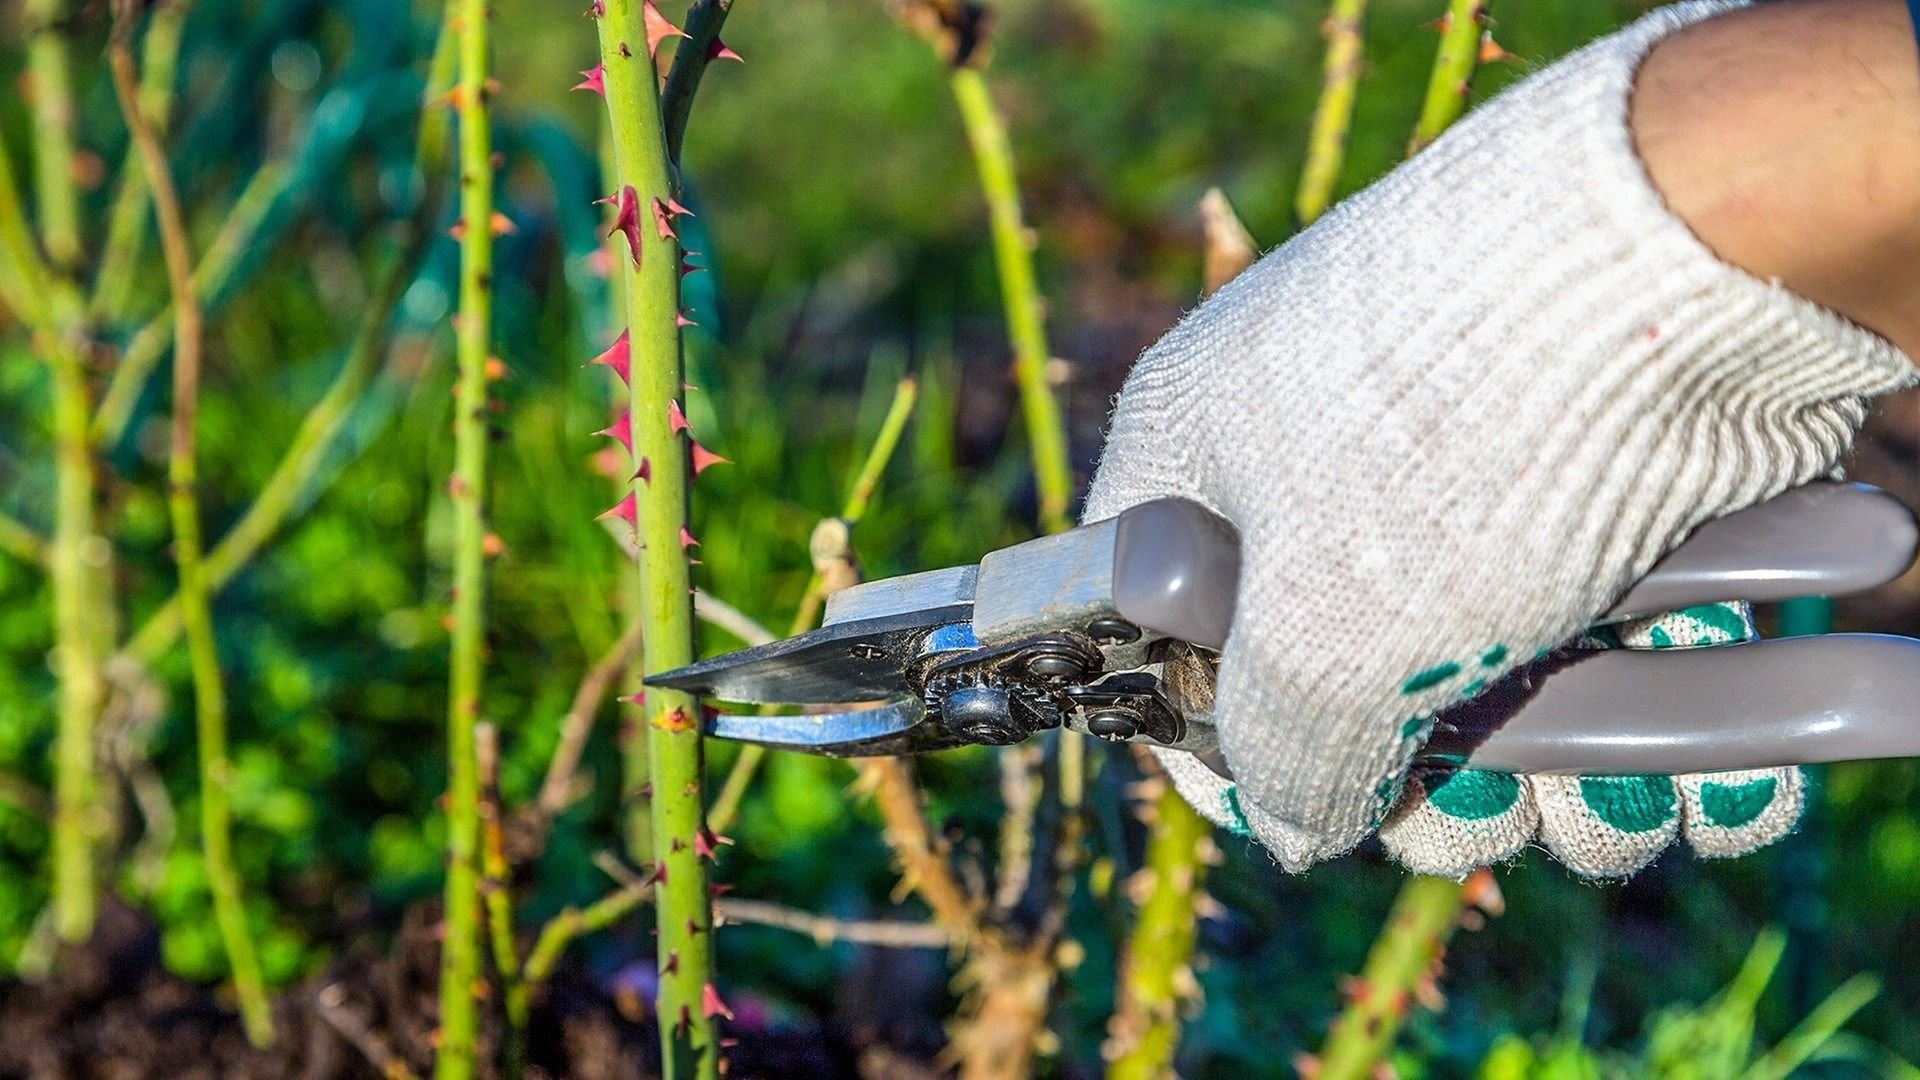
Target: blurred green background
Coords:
[(844, 232)]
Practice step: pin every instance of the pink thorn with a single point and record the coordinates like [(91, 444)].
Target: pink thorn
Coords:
[(633, 699), (661, 221), (595, 80), (644, 473), (706, 843), (658, 28), (598, 10), (674, 208), (676, 420), (711, 1005), (680, 319), (458, 230), (626, 220), (617, 356), (686, 539), (622, 430), (659, 875), (717, 50), (704, 459), (627, 510)]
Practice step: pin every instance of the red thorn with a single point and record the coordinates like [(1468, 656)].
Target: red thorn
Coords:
[(676, 420), (717, 50), (595, 80), (687, 539), (706, 843), (627, 510), (644, 473), (598, 10), (711, 1005), (687, 267), (661, 220), (718, 890), (694, 928), (639, 698), (659, 875), (680, 319), (622, 430), (618, 356), (658, 28), (704, 459), (626, 220), (681, 1025), (673, 962)]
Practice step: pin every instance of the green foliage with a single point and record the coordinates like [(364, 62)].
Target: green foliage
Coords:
[(1711, 1041)]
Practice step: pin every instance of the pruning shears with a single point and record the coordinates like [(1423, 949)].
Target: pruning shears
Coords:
[(1114, 629)]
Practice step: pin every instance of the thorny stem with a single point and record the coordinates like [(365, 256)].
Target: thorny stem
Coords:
[(660, 589), (460, 950), (859, 498), (82, 612), (690, 58), (1453, 64), (1333, 114), (50, 69), (127, 221), (209, 691), (495, 874), (1399, 969), (1156, 977), (1013, 258)]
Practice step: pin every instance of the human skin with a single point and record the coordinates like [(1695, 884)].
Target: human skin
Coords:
[(1787, 136)]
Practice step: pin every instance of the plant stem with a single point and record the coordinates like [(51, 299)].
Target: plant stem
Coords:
[(50, 69), (1400, 966), (1452, 77), (81, 620), (574, 922), (1333, 114), (1158, 979), (859, 498), (21, 542), (304, 456), (661, 590), (127, 221), (460, 950), (217, 266), (77, 596), (209, 691), (690, 58), (1013, 258), (495, 886), (23, 273)]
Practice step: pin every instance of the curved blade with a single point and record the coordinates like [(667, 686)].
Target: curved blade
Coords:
[(1787, 701), (860, 660), (897, 727)]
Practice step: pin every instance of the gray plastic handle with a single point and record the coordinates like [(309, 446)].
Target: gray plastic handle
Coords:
[(1821, 539), (1176, 564), (1176, 569), (1788, 701)]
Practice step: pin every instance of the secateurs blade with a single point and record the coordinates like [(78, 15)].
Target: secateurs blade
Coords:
[(1114, 629)]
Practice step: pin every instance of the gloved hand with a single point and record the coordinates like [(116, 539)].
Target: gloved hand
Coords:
[(1452, 421), (1451, 821)]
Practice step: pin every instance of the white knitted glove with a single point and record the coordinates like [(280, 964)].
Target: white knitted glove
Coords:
[(1452, 421)]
